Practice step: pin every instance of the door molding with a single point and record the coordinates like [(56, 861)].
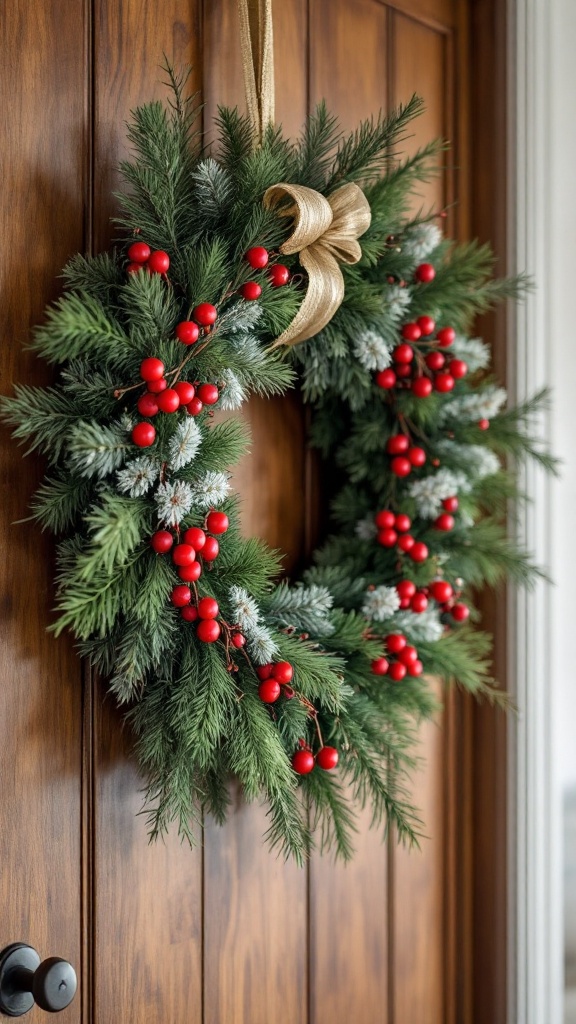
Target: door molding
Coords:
[(535, 990)]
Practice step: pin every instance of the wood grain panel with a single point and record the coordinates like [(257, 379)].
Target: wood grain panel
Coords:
[(42, 118), (255, 970), (419, 65), (418, 923), (348, 58), (349, 934), (435, 13)]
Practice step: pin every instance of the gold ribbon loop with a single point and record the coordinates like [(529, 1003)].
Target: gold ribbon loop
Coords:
[(325, 234), (257, 46)]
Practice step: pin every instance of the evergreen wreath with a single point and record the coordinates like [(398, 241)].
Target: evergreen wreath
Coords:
[(223, 669)]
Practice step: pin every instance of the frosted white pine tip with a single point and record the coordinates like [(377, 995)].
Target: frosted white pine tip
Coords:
[(379, 604), (484, 404), (184, 443), (246, 316), (420, 627), (244, 609), (366, 528), (261, 647), (138, 476), (209, 489), (430, 491), (372, 350), (127, 421), (476, 460), (397, 300), (232, 394), (473, 351), (419, 241), (173, 501), (317, 598)]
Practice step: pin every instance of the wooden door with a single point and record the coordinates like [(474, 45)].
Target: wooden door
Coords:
[(224, 934)]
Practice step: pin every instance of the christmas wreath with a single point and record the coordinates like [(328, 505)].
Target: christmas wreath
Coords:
[(227, 284)]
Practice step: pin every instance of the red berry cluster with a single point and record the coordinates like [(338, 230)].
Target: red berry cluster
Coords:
[(278, 274), (142, 257), (393, 532), (410, 597), (405, 457), (303, 760), (406, 659), (272, 678), (444, 593), (418, 363), (445, 521), (189, 555), (204, 316), (160, 398)]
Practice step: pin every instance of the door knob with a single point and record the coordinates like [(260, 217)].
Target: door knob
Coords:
[(25, 981)]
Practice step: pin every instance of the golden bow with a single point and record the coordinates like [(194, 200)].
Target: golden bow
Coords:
[(325, 234)]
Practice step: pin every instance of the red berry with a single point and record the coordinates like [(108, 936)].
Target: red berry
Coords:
[(446, 336), (416, 456), (402, 522), (379, 667), (435, 361), (419, 603), (458, 368), (387, 538), (217, 522), (450, 504), (327, 758), (190, 573), (185, 391), (441, 591), (418, 552), (251, 290), (151, 368), (411, 332), (400, 466), (406, 589), (397, 444), (208, 394), (444, 522), (395, 642), (408, 655), (403, 370), (422, 387), (238, 640), (208, 608), (269, 691), (279, 275), (406, 542), (208, 631), (403, 353), (195, 407), (134, 268), (139, 252), (143, 435), (460, 612), (426, 324), (384, 519), (205, 314), (189, 613), (483, 424), (282, 671), (385, 378), (161, 541), (257, 257), (181, 595), (211, 549), (264, 671), (183, 554), (425, 273), (416, 668), (156, 386), (397, 671), (168, 401), (159, 262), (147, 405), (303, 762), (196, 537), (443, 382), (187, 332)]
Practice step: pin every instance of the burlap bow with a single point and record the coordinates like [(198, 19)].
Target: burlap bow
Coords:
[(325, 234)]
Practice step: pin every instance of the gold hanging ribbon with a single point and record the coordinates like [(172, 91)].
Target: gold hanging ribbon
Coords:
[(325, 234), (325, 229), (256, 44)]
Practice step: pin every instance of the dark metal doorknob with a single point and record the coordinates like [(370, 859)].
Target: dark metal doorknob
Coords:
[(24, 981)]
